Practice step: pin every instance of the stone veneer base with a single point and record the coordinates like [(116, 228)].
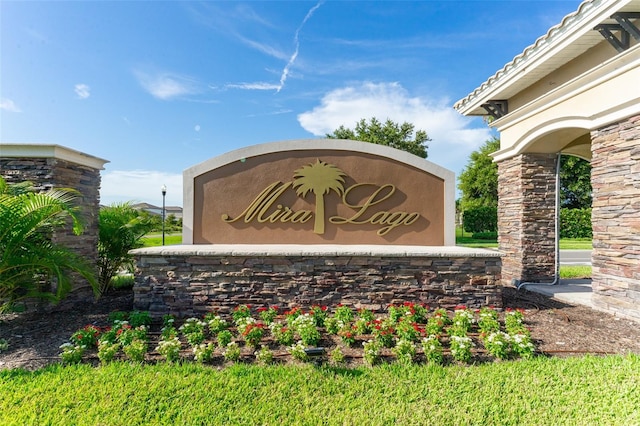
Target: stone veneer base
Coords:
[(190, 280)]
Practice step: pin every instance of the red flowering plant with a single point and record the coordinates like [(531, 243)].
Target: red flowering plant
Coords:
[(363, 326), (87, 336), (319, 314), (409, 330), (348, 335), (253, 333), (127, 334), (417, 311), (292, 314), (384, 332), (396, 312), (282, 334), (268, 315), (240, 312)]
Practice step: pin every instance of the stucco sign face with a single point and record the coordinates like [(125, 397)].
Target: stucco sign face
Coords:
[(316, 196), (319, 179)]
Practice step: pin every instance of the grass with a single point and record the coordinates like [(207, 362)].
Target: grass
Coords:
[(539, 391), (155, 239), (575, 271), (466, 239)]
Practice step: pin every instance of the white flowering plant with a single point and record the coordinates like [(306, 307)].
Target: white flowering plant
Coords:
[(498, 344), (203, 352), (72, 354), (169, 348), (371, 353), (461, 348), (298, 352), (405, 351), (432, 348)]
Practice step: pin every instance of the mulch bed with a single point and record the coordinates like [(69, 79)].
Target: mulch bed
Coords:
[(557, 329)]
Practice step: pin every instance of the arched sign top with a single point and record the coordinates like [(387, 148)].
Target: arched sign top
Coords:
[(319, 191)]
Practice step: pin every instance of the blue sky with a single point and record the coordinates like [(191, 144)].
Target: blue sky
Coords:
[(157, 87)]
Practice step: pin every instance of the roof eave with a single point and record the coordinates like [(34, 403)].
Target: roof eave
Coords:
[(573, 27)]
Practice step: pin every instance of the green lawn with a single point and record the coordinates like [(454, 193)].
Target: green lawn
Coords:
[(155, 239), (575, 271), (570, 391), (466, 239)]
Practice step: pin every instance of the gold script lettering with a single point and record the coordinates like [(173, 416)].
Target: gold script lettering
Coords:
[(391, 219), (261, 205)]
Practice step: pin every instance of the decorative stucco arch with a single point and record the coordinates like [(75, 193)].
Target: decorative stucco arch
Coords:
[(566, 135)]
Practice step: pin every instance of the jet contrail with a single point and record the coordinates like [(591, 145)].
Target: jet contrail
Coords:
[(292, 59)]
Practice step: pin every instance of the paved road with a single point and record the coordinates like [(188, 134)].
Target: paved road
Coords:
[(575, 257)]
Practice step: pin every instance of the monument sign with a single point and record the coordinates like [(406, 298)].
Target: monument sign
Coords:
[(322, 191)]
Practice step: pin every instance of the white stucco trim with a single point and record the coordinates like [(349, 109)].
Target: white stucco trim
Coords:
[(18, 150), (604, 95), (571, 37), (313, 145)]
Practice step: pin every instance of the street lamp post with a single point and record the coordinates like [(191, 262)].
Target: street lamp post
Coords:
[(164, 193)]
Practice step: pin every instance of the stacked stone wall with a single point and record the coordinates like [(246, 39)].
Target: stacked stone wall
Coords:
[(615, 178), (193, 285), (47, 173), (526, 217)]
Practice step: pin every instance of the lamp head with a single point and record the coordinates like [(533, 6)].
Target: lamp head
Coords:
[(164, 189)]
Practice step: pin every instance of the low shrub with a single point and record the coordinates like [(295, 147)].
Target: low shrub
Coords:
[(481, 219), (575, 223)]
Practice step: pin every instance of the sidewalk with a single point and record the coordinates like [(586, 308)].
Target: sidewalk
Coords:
[(575, 292)]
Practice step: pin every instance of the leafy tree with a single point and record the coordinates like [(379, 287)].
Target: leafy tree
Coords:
[(479, 179), (172, 223), (31, 265), (389, 134), (121, 229), (575, 183)]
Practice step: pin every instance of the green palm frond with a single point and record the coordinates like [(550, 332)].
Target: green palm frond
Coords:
[(28, 258)]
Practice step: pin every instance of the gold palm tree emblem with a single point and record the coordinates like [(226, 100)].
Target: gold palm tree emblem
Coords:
[(319, 178)]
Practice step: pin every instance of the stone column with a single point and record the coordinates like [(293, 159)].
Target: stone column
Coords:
[(615, 177), (526, 217)]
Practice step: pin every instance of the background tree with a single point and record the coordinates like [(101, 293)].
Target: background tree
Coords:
[(479, 179), (479, 185), (575, 183), (121, 229), (31, 266), (389, 134)]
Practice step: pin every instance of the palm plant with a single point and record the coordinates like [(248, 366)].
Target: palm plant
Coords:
[(319, 178), (121, 229), (31, 266)]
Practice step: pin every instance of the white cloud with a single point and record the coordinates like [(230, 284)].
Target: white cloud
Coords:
[(9, 105), (166, 86), (140, 186), (82, 90), (452, 137)]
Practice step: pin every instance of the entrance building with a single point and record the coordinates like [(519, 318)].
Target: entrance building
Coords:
[(575, 91)]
